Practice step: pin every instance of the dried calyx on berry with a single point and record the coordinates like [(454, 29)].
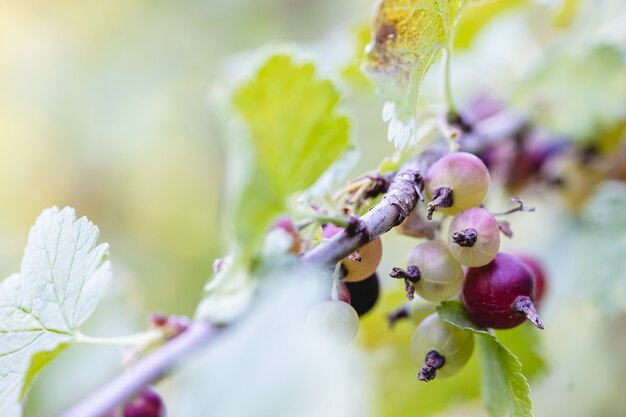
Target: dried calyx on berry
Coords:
[(456, 182), (431, 272), (440, 349), (474, 237)]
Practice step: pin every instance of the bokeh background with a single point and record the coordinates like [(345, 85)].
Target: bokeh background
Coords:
[(105, 106)]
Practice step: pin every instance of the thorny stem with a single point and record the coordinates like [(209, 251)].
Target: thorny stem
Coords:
[(523, 304), (398, 202)]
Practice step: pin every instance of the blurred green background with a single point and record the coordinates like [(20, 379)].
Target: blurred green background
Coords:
[(104, 107)]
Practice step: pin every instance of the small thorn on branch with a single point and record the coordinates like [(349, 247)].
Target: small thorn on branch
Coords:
[(419, 190)]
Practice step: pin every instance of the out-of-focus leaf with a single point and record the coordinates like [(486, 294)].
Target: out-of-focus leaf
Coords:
[(476, 15), (337, 173), (270, 365), (227, 294), (565, 15), (295, 132), (504, 389), (408, 38), (62, 278), (351, 72), (577, 94), (598, 249)]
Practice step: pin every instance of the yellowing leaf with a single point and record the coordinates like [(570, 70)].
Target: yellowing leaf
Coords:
[(409, 36)]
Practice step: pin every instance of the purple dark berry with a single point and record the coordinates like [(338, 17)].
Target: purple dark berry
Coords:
[(539, 274), (147, 404), (364, 294), (500, 294)]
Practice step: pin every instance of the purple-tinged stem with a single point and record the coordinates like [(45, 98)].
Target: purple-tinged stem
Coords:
[(154, 366)]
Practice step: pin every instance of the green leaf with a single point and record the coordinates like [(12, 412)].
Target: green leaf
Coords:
[(524, 343), (577, 93), (408, 38), (504, 389), (37, 363), (295, 133), (62, 277)]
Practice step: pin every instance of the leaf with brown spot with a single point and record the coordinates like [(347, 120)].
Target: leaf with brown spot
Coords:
[(408, 37)]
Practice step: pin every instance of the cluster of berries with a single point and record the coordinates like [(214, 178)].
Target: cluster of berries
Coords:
[(498, 290)]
